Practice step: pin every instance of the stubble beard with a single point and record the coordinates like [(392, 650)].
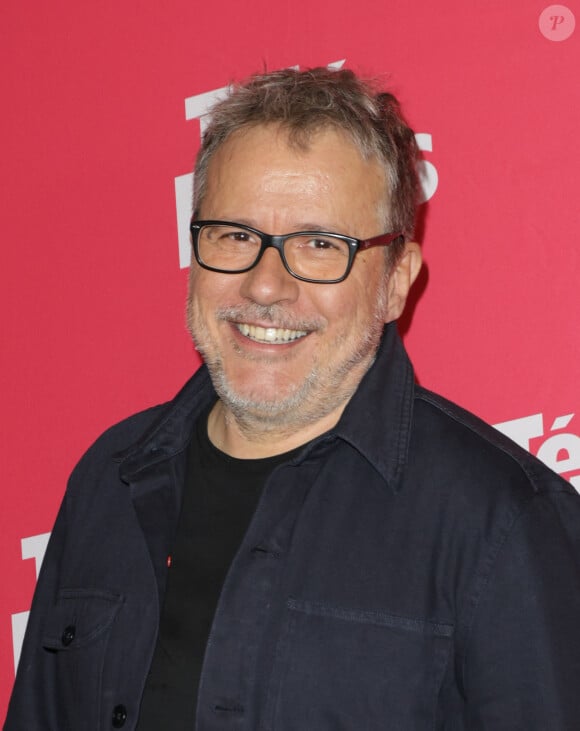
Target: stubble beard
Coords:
[(323, 390)]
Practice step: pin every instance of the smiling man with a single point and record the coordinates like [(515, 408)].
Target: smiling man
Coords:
[(304, 539), (286, 355)]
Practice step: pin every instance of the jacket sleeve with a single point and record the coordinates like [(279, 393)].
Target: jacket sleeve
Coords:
[(32, 705), (521, 663)]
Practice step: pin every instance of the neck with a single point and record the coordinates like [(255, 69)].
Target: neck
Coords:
[(253, 441)]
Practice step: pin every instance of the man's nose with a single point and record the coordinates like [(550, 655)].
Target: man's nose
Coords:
[(269, 281)]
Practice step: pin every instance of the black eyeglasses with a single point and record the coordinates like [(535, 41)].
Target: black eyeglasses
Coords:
[(311, 256)]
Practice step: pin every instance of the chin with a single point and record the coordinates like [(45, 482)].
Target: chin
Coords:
[(275, 405)]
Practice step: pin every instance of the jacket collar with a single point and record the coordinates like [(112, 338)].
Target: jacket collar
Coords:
[(376, 421), (171, 431)]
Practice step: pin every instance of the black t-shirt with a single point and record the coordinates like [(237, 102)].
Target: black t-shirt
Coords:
[(220, 497)]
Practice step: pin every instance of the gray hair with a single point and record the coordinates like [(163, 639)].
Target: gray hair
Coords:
[(305, 102)]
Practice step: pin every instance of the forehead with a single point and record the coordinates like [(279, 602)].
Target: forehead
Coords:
[(261, 166)]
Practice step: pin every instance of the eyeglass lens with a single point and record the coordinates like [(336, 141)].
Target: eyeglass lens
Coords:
[(235, 248)]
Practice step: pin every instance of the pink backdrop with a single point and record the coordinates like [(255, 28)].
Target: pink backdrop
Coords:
[(99, 132)]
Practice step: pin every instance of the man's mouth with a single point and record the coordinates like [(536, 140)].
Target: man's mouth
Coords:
[(270, 335)]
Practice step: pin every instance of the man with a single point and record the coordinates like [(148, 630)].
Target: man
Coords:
[(303, 539)]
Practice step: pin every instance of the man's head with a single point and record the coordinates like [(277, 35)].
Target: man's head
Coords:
[(305, 102), (286, 355)]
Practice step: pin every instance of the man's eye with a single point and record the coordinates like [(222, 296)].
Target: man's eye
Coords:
[(322, 244), (239, 236)]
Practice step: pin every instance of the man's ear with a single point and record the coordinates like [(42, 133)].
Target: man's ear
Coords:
[(401, 278)]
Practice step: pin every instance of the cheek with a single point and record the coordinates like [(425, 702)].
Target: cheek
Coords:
[(373, 282), (207, 290), (341, 309), (199, 304)]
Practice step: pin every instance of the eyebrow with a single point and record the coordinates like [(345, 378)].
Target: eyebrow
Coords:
[(303, 226)]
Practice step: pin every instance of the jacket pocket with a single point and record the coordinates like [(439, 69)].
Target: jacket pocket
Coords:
[(76, 632), (344, 669)]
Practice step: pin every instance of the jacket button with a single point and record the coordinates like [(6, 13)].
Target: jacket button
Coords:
[(119, 716), (68, 635)]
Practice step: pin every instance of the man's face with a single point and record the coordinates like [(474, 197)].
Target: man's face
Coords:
[(283, 353)]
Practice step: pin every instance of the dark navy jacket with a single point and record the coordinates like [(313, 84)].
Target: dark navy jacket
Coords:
[(410, 570)]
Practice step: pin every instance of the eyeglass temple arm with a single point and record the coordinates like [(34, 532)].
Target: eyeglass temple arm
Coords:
[(382, 240)]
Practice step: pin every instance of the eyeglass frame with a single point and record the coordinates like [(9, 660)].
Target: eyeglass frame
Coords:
[(277, 242)]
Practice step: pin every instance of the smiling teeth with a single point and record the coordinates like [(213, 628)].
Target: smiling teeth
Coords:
[(275, 335)]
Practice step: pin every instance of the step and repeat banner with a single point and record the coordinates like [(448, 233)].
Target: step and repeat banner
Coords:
[(102, 109)]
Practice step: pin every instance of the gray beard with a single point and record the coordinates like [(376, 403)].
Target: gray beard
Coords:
[(257, 418)]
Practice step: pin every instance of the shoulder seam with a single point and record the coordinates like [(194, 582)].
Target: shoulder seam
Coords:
[(526, 461)]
